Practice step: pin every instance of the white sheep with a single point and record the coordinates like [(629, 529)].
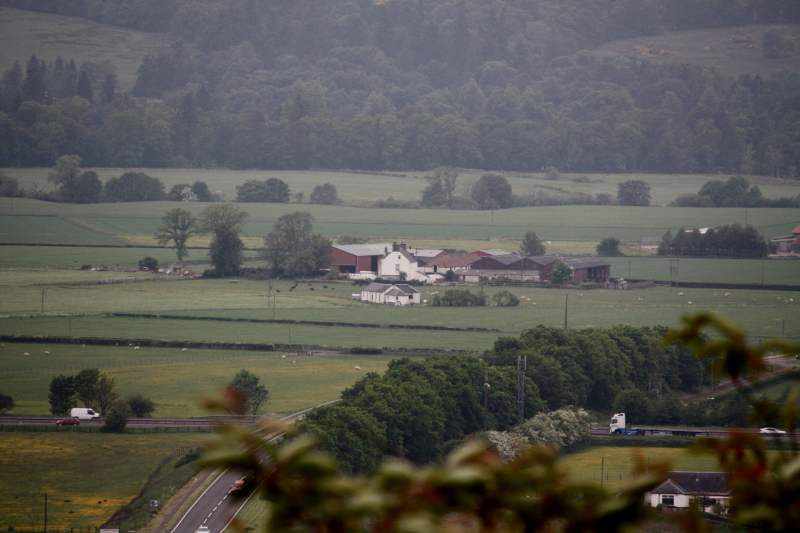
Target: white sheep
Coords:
[(26, 353), (283, 356), (83, 346), (46, 352), (680, 294), (534, 304), (358, 367), (727, 294), (690, 303), (135, 347), (183, 350)]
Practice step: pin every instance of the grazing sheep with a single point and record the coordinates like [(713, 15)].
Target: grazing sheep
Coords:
[(534, 304), (358, 368), (690, 303), (294, 361), (183, 350), (727, 294), (83, 346), (680, 294), (26, 353), (46, 352), (283, 357), (135, 347)]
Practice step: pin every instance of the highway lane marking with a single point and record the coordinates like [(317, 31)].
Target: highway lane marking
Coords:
[(196, 502)]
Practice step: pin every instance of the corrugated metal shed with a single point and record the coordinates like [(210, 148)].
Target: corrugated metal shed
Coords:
[(364, 249)]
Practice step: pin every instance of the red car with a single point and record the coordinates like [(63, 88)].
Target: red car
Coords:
[(71, 421)]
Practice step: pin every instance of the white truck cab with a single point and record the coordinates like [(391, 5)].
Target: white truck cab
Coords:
[(617, 422), (83, 413)]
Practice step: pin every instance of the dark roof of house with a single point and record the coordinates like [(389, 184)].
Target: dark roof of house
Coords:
[(384, 287), (545, 259), (454, 261), (585, 262), (364, 249), (505, 259), (495, 252), (694, 482)]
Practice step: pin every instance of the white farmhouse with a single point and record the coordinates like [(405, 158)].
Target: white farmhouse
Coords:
[(397, 262), (387, 294)]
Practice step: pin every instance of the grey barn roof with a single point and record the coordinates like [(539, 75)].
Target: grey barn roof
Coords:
[(505, 259), (383, 287), (364, 249), (585, 262)]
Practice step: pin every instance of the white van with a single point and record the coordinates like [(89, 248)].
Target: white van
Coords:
[(84, 414)]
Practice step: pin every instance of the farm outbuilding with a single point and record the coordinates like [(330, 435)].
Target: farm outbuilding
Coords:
[(354, 258)]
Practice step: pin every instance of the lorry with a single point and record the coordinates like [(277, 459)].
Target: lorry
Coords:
[(84, 413), (617, 426)]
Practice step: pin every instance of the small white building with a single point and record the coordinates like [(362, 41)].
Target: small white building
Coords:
[(388, 294), (682, 487)]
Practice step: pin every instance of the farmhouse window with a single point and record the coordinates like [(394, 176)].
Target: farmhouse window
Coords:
[(668, 499)]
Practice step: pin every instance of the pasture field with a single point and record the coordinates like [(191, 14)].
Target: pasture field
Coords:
[(709, 47), (57, 463), (23, 33), (177, 381), (562, 223), (762, 313), (358, 189), (619, 462), (49, 230)]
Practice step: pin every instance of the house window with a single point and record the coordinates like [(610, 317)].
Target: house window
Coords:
[(668, 499), (397, 268)]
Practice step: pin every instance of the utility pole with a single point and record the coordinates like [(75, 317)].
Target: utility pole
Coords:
[(45, 512), (566, 306), (43, 291), (485, 399), (673, 268), (763, 259), (521, 366), (602, 470)]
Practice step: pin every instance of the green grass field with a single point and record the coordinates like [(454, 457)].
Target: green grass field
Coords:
[(177, 381), (358, 189), (23, 33), (619, 463), (59, 464)]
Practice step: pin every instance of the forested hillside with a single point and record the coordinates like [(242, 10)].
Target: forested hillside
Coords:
[(409, 84)]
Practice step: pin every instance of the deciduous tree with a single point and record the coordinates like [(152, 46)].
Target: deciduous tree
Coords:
[(250, 392), (225, 221), (561, 272), (177, 225), (290, 249), (85, 383), (140, 406), (6, 403), (609, 246), (633, 192), (273, 190), (531, 245), (324, 194)]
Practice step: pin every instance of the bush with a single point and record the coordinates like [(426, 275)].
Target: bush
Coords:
[(609, 247), (117, 418), (360, 350), (505, 299), (148, 263), (140, 406), (460, 298), (6, 403), (190, 457)]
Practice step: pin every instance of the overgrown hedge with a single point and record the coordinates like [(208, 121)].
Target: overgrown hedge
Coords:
[(306, 322)]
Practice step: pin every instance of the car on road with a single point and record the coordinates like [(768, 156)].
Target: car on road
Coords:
[(771, 431), (202, 529), (237, 486), (71, 421)]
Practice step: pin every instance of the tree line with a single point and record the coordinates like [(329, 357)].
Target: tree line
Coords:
[(420, 409), (410, 85), (724, 241)]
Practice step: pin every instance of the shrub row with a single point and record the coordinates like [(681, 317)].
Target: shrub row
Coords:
[(306, 322), (360, 350), (740, 286)]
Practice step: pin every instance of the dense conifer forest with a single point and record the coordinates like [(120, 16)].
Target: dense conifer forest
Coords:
[(408, 85)]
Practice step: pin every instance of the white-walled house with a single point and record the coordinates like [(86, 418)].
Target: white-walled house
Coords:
[(682, 487), (388, 294), (398, 261)]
